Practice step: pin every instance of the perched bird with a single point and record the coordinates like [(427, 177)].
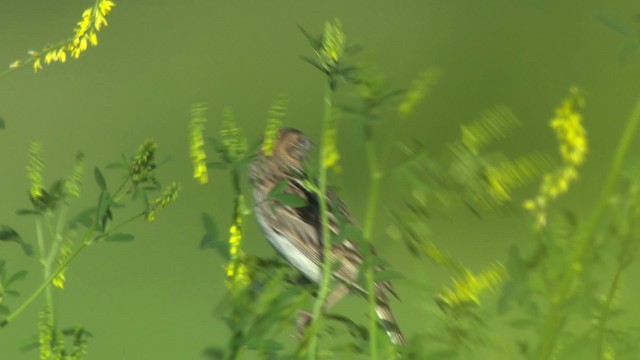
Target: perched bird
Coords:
[(295, 232)]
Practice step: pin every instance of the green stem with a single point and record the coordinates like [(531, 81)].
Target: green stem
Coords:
[(372, 205), (606, 309), (47, 282), (325, 235), (557, 317), (46, 269), (49, 276)]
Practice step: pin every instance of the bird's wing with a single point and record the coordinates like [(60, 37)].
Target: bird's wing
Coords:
[(302, 226)]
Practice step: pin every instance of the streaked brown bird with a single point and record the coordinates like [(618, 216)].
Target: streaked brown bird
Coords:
[(295, 232)]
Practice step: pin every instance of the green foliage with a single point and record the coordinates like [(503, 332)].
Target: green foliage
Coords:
[(59, 245), (557, 294)]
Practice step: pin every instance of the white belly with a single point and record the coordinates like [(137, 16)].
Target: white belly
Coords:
[(294, 256)]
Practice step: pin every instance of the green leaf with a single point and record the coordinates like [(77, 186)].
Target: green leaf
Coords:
[(103, 211), (119, 237), (278, 189), (277, 193), (12, 293), (614, 23), (19, 276), (210, 240), (117, 166), (8, 234), (100, 179), (1, 123), (290, 200), (84, 218), (314, 41), (23, 212), (4, 310)]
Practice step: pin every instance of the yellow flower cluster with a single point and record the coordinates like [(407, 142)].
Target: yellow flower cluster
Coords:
[(423, 83), (65, 252), (276, 112), (237, 272), (85, 34), (74, 181), (509, 174), (572, 139), (330, 154), (333, 42), (34, 170), (169, 195), (469, 287), (196, 143), (233, 141)]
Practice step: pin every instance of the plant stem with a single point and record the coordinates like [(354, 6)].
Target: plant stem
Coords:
[(557, 316), (46, 268), (325, 235), (48, 279), (48, 274), (372, 205)]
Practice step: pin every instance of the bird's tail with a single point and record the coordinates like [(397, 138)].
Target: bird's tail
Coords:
[(389, 322)]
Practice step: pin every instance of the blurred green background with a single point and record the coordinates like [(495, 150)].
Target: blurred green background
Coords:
[(154, 298)]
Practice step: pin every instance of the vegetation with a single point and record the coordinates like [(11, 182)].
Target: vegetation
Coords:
[(558, 292)]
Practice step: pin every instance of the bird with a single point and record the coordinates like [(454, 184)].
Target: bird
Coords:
[(295, 231)]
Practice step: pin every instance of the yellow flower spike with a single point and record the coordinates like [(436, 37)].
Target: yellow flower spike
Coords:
[(65, 252), (196, 143), (274, 122), (83, 35), (468, 288), (573, 147), (333, 42), (237, 272), (35, 166), (169, 195)]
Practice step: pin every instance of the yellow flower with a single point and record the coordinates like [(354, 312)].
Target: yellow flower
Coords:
[(573, 147), (468, 288), (35, 166), (276, 112), (333, 42), (237, 272), (169, 195), (37, 65), (196, 143), (84, 34)]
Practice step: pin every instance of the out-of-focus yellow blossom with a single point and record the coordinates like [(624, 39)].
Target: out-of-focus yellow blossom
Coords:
[(233, 140), (573, 147), (423, 83), (276, 112), (469, 287), (84, 34), (508, 175), (196, 143), (330, 154), (65, 252), (74, 181), (169, 195), (333, 42), (35, 166)]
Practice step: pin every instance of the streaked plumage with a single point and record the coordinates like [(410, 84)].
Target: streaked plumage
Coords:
[(295, 232)]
